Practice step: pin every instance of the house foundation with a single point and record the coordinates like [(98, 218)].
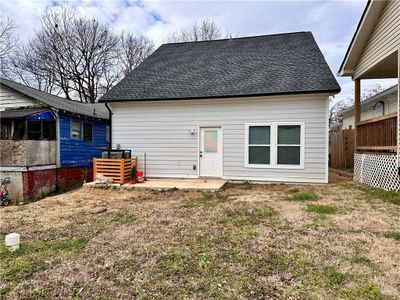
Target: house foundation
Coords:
[(30, 184)]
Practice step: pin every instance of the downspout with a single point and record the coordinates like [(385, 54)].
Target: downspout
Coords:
[(110, 133), (398, 111), (58, 144)]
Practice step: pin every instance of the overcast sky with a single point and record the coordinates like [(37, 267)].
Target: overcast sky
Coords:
[(332, 22)]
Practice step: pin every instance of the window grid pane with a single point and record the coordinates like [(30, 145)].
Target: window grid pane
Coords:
[(259, 155), (87, 131), (259, 135), (289, 134), (288, 155)]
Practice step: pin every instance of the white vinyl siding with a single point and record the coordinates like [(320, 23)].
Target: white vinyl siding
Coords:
[(384, 40), (10, 99), (162, 129)]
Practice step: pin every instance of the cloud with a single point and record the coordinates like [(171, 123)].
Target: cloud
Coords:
[(332, 22)]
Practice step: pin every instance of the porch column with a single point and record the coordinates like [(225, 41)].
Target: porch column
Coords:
[(357, 110)]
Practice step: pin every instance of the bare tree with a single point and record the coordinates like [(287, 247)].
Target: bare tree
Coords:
[(134, 49), (336, 108), (77, 57), (206, 31), (372, 91), (26, 67), (7, 37)]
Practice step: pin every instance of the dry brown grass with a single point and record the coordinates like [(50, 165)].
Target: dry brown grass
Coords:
[(247, 241)]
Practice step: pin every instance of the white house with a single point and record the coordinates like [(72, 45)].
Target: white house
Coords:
[(253, 108), (382, 104), (374, 53)]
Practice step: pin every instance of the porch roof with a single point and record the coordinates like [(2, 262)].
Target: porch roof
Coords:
[(20, 113)]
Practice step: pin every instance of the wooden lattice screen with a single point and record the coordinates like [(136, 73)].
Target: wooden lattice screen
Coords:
[(118, 169), (377, 170)]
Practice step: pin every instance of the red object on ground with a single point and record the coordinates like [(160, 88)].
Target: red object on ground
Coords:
[(133, 181), (139, 174)]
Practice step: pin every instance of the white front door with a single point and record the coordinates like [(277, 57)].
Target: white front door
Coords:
[(211, 152)]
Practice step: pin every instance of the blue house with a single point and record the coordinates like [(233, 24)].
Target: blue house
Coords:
[(48, 142)]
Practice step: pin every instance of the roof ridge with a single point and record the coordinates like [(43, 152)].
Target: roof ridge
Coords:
[(237, 38)]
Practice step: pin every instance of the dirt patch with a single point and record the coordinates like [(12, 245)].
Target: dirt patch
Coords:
[(248, 241)]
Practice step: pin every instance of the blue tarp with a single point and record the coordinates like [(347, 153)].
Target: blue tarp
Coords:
[(45, 115)]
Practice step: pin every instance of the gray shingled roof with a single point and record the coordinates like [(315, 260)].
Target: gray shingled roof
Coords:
[(261, 65), (20, 113), (97, 110)]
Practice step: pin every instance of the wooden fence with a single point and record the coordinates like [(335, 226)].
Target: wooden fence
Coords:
[(118, 169), (341, 149), (377, 134)]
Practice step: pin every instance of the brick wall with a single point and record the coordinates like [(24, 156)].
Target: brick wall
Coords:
[(70, 177), (42, 182), (39, 183)]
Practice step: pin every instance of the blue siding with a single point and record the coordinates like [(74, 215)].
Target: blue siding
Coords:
[(77, 153)]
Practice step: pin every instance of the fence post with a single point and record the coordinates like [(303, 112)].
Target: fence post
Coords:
[(94, 169)]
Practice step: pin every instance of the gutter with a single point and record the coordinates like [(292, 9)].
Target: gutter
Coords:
[(342, 72), (110, 118), (330, 92)]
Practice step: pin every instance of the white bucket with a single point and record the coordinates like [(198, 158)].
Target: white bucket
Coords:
[(12, 241)]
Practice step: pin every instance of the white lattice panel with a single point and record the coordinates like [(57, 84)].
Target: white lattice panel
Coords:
[(377, 170)]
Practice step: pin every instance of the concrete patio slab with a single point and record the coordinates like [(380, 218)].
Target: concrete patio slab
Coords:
[(212, 185)]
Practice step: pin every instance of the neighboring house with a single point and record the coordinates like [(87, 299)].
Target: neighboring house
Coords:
[(381, 104), (374, 53), (47, 142), (253, 108)]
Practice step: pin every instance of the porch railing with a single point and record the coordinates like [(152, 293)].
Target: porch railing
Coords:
[(377, 134), (117, 169)]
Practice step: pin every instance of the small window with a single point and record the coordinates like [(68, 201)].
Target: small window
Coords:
[(76, 130), (210, 141), (107, 133), (87, 132), (289, 137), (259, 145)]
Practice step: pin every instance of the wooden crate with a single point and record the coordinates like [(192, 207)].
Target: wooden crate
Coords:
[(117, 169)]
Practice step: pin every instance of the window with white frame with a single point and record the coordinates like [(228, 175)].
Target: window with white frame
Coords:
[(274, 145)]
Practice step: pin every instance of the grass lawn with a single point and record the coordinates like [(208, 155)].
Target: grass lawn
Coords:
[(339, 240)]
